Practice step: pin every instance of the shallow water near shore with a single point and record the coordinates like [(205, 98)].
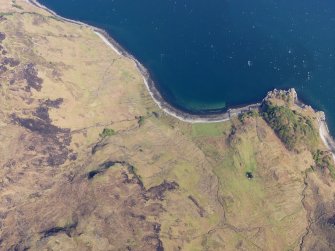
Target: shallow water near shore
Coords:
[(206, 56)]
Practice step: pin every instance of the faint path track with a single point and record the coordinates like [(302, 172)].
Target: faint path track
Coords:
[(166, 107)]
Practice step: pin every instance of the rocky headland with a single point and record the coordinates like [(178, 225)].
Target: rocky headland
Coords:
[(89, 160)]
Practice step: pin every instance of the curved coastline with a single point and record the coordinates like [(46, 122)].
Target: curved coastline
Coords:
[(150, 84), (324, 132)]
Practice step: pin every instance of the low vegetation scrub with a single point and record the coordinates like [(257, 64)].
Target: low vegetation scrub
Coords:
[(140, 121), (292, 128), (107, 132), (323, 159), (245, 115)]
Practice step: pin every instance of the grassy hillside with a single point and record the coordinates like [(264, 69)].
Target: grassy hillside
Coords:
[(89, 162)]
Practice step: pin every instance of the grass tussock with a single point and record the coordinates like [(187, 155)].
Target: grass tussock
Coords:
[(107, 132)]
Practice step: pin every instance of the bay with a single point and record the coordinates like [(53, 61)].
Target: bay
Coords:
[(207, 56)]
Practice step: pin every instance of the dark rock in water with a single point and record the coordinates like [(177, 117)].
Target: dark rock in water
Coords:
[(249, 175)]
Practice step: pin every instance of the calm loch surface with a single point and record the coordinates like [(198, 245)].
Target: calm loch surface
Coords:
[(208, 55)]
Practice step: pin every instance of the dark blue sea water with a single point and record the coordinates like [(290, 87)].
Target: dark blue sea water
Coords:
[(214, 54)]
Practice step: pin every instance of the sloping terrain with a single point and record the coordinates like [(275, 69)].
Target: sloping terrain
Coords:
[(89, 162)]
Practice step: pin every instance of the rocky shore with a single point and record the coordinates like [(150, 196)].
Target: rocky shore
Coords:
[(87, 163), (151, 85), (291, 94)]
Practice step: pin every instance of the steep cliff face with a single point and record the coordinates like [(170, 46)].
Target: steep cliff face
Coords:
[(89, 162)]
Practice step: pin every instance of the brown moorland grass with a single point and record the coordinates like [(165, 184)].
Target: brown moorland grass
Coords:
[(153, 182)]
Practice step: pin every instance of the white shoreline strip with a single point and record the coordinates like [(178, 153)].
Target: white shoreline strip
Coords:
[(325, 136), (105, 40), (171, 113), (183, 116)]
